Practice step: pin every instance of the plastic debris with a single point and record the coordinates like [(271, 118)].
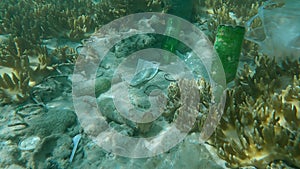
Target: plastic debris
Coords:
[(29, 143), (228, 44), (279, 34), (145, 71), (76, 140)]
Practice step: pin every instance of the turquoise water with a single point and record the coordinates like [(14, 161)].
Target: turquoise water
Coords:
[(82, 88)]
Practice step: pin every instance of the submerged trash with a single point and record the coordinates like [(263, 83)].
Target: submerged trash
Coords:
[(29, 143), (279, 34), (228, 44), (145, 71), (76, 140)]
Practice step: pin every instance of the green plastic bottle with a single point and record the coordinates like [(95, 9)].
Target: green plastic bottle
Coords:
[(180, 8), (228, 44), (170, 43)]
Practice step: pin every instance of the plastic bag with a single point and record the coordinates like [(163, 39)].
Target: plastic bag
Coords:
[(279, 35)]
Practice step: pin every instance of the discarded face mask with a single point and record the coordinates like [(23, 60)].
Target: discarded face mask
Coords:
[(279, 34)]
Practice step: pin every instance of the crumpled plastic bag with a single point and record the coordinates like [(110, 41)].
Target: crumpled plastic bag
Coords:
[(279, 35)]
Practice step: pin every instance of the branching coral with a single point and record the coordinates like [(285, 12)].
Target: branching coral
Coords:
[(36, 19), (74, 20), (211, 13), (261, 118), (30, 23), (258, 132), (26, 67), (226, 12), (14, 88)]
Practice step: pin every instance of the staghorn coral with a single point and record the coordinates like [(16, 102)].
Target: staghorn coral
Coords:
[(35, 19), (73, 20), (29, 23), (14, 88), (226, 12), (24, 68), (210, 14), (258, 132), (261, 119), (173, 106)]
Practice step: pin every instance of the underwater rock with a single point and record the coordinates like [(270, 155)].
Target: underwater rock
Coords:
[(140, 95), (279, 34), (122, 128), (15, 166), (86, 87), (108, 110), (102, 85), (52, 122), (53, 152), (132, 44), (12, 125), (9, 153), (51, 88)]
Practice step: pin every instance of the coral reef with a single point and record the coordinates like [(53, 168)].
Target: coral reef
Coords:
[(209, 14), (261, 121), (36, 19), (225, 12), (260, 125), (259, 132), (24, 68), (74, 20), (25, 55)]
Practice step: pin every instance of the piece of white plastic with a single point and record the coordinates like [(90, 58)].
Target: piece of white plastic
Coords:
[(279, 34), (76, 140)]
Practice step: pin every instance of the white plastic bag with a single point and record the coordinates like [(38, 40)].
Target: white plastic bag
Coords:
[(279, 34)]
